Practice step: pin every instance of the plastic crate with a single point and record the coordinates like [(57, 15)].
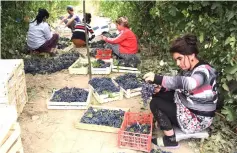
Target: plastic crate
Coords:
[(69, 105), (106, 70), (123, 69), (103, 54), (129, 93), (105, 98), (135, 141), (82, 70)]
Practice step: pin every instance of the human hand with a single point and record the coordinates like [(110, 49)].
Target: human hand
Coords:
[(149, 77)]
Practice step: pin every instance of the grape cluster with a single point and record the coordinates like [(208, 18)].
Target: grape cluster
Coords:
[(107, 34), (134, 62), (113, 118), (63, 42), (128, 81), (102, 85), (147, 91), (39, 65), (93, 52), (70, 95), (98, 44), (137, 128), (100, 64)]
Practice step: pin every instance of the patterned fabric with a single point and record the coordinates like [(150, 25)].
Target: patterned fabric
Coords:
[(197, 89), (190, 122), (195, 96)]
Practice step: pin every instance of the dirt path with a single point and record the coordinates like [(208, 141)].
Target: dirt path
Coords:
[(52, 131)]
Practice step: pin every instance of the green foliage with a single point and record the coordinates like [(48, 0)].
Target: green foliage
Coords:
[(222, 138), (156, 23), (15, 19)]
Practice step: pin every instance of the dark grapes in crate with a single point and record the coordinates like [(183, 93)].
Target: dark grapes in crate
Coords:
[(106, 117)]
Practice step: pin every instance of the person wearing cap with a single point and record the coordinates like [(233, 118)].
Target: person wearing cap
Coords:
[(78, 36), (39, 36), (125, 45), (72, 19)]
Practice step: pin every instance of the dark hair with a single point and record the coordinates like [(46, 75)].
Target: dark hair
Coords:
[(186, 45), (42, 13), (88, 18), (70, 8), (123, 21)]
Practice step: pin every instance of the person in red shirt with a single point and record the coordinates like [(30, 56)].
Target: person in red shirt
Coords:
[(125, 44)]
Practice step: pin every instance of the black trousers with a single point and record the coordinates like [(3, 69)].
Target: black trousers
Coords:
[(164, 109)]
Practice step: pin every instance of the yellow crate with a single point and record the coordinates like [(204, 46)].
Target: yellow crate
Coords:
[(99, 128)]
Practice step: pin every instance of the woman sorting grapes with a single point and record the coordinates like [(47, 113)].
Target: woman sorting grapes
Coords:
[(125, 44), (39, 36), (187, 101)]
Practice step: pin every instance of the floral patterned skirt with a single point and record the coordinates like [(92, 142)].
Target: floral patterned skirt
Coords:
[(190, 122)]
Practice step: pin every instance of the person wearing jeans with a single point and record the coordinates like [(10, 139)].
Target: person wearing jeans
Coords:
[(187, 101)]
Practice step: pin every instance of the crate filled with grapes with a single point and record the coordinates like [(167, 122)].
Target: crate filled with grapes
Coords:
[(136, 131), (101, 67), (79, 67), (70, 98), (105, 90), (102, 118), (129, 84)]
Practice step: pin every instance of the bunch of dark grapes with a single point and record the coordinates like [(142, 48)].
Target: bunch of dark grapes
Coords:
[(100, 64), (112, 118), (147, 91), (137, 128), (98, 44), (128, 81), (133, 62), (63, 42), (102, 85), (39, 65), (70, 95)]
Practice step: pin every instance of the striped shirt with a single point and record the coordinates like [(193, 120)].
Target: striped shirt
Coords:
[(79, 31), (196, 89)]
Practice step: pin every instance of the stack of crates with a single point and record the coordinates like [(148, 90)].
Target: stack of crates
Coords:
[(10, 135), (13, 89)]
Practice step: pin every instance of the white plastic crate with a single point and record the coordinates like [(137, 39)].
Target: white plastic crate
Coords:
[(123, 69), (81, 70), (105, 98), (106, 70), (69, 105), (129, 92)]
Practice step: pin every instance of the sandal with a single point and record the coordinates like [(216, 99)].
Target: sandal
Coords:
[(165, 142)]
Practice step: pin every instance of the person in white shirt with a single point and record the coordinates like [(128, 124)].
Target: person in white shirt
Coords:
[(39, 36)]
